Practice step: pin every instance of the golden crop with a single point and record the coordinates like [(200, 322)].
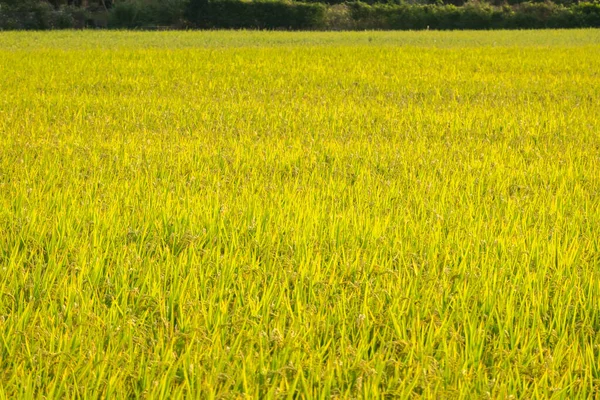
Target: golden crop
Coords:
[(220, 214)]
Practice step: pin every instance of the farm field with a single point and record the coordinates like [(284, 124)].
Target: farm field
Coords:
[(313, 215)]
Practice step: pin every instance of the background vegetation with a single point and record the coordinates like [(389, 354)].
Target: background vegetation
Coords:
[(279, 214), (296, 15)]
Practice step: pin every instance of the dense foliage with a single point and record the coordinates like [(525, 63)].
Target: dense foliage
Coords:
[(296, 15), (522, 16), (255, 14)]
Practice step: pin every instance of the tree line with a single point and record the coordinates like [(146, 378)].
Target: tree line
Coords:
[(298, 15)]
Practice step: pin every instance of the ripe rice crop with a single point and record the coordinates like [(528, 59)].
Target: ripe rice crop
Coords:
[(315, 215)]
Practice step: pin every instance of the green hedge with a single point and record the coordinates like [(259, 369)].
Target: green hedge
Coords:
[(444, 17), (236, 14), (147, 13)]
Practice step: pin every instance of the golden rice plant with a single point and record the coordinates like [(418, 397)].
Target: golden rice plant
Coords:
[(311, 215)]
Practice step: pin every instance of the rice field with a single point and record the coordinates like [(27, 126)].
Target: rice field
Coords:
[(300, 215)]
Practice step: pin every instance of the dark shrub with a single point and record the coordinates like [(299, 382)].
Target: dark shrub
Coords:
[(587, 14), (146, 13), (237, 14)]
